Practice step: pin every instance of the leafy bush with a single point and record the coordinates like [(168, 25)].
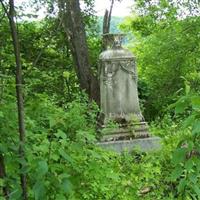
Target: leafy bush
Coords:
[(186, 160), (63, 162), (166, 51)]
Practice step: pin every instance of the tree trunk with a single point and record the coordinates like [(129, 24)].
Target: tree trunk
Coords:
[(106, 24), (107, 18), (75, 30), (19, 92)]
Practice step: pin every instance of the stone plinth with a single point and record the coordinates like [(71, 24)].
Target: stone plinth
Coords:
[(125, 132), (129, 137), (143, 144)]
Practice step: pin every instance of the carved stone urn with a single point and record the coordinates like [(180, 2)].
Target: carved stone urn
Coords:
[(118, 88)]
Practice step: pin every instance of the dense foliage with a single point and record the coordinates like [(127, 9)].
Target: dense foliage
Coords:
[(166, 47), (62, 160)]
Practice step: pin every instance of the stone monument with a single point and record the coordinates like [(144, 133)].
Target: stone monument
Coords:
[(119, 98)]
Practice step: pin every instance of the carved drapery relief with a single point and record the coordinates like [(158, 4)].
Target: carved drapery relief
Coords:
[(118, 82)]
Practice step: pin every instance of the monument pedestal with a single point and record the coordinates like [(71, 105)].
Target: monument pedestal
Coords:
[(143, 144), (125, 132), (129, 138)]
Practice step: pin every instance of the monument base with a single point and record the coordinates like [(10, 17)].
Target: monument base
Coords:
[(125, 132), (129, 138), (142, 144)]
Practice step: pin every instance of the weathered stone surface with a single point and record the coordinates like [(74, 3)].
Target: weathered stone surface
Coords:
[(118, 84), (143, 144), (120, 102), (136, 130), (139, 130)]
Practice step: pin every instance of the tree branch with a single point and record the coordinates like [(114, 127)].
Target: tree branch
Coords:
[(2, 17), (5, 9)]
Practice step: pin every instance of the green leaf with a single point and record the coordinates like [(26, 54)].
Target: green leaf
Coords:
[(39, 190), (1, 114), (65, 156), (42, 167), (15, 195), (189, 121), (181, 185), (2, 182), (3, 148), (66, 74), (113, 176), (64, 175), (52, 122), (61, 134), (187, 89), (60, 197), (197, 190), (193, 178), (66, 185), (176, 173), (190, 145), (196, 127), (195, 102), (181, 106), (179, 156), (197, 162), (189, 164)]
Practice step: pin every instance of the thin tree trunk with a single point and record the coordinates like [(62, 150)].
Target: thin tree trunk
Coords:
[(19, 92), (105, 30), (110, 14), (5, 190), (106, 24)]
